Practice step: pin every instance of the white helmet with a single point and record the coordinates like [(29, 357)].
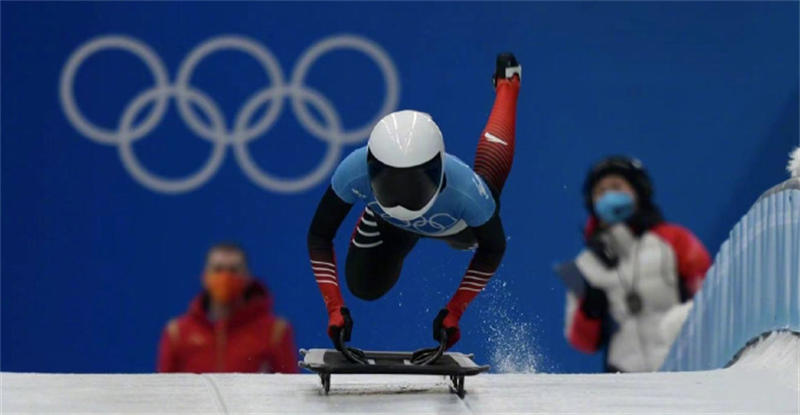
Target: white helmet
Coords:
[(406, 163)]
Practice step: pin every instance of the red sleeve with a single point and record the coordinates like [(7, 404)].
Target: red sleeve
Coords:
[(584, 333), (167, 353), (692, 257), (329, 215), (491, 247), (284, 353)]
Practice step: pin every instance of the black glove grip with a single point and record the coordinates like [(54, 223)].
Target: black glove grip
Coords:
[(595, 303), (437, 324), (340, 334)]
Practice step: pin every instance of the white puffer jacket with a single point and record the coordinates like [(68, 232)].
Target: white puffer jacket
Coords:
[(663, 267)]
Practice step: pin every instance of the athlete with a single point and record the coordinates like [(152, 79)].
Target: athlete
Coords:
[(413, 189)]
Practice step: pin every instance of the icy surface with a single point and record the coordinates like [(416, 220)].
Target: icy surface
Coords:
[(781, 349), (766, 380)]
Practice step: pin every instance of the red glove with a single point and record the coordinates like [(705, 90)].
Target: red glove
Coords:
[(447, 321)]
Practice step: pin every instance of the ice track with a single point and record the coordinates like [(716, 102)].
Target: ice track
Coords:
[(765, 380)]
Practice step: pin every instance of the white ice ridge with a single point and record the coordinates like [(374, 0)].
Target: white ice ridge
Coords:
[(794, 163), (765, 380)]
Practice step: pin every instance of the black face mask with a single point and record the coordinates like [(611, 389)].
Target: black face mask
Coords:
[(409, 187)]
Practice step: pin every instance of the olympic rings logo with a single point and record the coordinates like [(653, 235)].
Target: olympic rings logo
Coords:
[(432, 225), (217, 130)]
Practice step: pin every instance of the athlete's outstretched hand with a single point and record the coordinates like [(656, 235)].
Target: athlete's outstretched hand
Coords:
[(449, 322), (339, 321)]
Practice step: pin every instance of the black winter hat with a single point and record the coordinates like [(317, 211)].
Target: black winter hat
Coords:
[(628, 167)]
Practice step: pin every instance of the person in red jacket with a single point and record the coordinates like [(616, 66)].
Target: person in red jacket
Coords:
[(631, 287), (229, 327)]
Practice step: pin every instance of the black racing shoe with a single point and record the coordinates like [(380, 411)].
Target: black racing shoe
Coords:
[(507, 67)]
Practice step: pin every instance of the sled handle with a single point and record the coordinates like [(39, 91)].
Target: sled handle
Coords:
[(351, 353), (424, 357)]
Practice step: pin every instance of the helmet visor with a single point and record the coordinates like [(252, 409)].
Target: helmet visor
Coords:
[(409, 187)]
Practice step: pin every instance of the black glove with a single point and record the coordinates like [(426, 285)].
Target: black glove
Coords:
[(340, 325), (449, 325), (595, 303), (599, 248)]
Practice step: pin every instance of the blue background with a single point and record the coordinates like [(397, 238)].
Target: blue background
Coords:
[(93, 263)]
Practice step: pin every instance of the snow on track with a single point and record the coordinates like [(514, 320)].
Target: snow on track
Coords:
[(762, 382)]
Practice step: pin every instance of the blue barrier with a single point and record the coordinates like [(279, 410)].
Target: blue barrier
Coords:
[(752, 288)]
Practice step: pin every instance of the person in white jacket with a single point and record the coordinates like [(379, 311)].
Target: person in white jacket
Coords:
[(633, 283)]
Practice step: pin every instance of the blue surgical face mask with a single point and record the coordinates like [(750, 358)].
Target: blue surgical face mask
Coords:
[(614, 207)]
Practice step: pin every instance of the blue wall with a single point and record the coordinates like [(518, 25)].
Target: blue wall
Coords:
[(94, 262), (753, 287)]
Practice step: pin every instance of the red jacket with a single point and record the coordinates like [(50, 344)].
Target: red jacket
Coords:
[(251, 340)]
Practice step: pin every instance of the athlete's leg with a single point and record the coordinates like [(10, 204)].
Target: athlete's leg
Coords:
[(496, 145), (375, 257)]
